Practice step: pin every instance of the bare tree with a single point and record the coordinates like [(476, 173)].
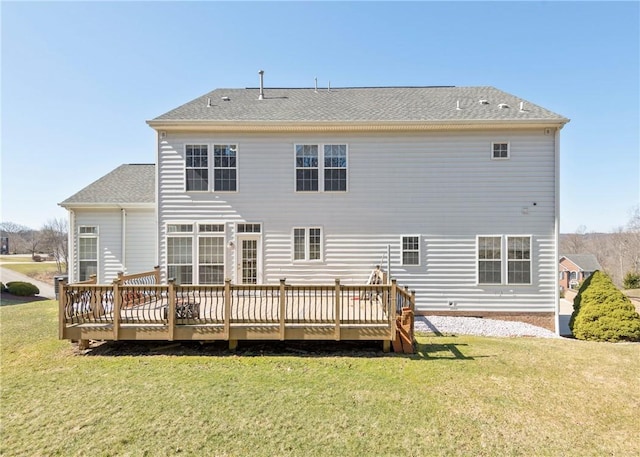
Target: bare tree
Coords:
[(18, 236), (54, 238)]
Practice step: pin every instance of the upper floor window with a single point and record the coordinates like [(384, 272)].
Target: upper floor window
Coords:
[(225, 167), (306, 167), (197, 165), (499, 150), (410, 250), (321, 168), (335, 167)]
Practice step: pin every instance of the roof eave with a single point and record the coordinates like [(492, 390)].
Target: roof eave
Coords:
[(349, 126), (106, 205)]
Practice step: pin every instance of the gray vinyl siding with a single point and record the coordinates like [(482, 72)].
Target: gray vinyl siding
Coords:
[(109, 241), (141, 245), (442, 186)]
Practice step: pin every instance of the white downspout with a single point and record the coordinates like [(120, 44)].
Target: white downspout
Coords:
[(124, 239), (71, 267)]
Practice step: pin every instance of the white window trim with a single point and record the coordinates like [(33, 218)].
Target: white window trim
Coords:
[(402, 237), (477, 260), (307, 246), (506, 260), (95, 235), (508, 150), (194, 235), (211, 166), (320, 168)]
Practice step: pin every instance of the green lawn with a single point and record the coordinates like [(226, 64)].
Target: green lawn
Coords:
[(468, 396), (43, 271)]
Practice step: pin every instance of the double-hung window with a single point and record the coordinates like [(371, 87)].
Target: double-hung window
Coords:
[(307, 243), (410, 250), (489, 259), (306, 167), (492, 262), (197, 167), (87, 252), (519, 260), (225, 168), (321, 168)]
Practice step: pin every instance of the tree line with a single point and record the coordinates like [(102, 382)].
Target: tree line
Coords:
[(49, 242), (617, 252)]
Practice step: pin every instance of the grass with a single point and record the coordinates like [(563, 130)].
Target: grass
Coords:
[(460, 395), (42, 271)]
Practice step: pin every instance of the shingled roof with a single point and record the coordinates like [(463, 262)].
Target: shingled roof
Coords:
[(373, 104), (586, 262), (127, 184)]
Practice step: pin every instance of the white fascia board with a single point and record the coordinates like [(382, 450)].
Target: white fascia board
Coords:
[(107, 205)]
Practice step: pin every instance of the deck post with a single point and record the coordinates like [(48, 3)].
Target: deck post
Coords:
[(62, 306), (392, 311), (283, 308), (172, 309), (156, 271), (117, 303), (227, 308), (338, 311)]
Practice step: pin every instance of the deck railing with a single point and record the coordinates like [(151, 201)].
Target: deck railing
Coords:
[(139, 301)]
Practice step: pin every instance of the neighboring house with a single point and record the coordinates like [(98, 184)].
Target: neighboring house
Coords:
[(575, 268), (460, 184)]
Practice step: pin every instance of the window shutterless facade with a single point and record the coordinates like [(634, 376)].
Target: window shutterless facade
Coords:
[(208, 259), (411, 250), (87, 252), (307, 243), (321, 168), (224, 164)]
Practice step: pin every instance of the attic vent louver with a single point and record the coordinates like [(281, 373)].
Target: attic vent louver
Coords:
[(484, 102), (226, 99), (503, 106)]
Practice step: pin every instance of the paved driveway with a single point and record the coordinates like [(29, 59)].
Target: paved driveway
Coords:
[(46, 290)]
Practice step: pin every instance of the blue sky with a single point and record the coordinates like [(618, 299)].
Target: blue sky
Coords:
[(80, 79)]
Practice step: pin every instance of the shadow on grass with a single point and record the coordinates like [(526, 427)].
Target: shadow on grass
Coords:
[(441, 351), (7, 299), (363, 349)]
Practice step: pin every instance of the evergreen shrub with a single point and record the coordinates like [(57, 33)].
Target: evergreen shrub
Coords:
[(22, 289), (631, 280), (601, 312)]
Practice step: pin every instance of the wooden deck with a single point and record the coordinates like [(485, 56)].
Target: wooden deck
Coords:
[(137, 308)]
